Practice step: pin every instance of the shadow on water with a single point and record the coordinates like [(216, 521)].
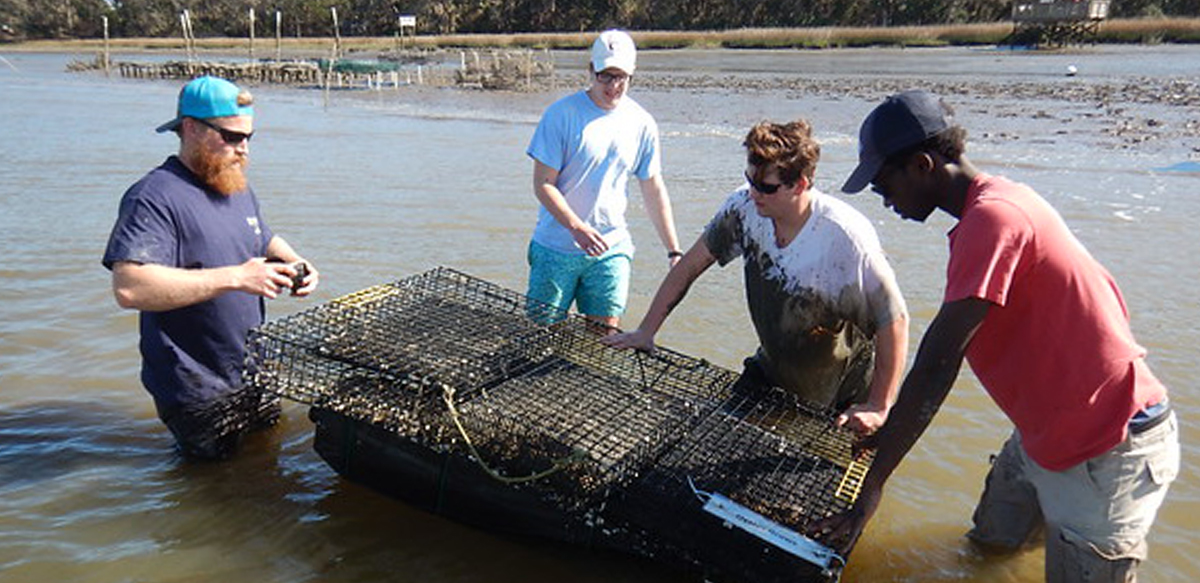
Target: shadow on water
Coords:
[(275, 512), (369, 536), (380, 539), (48, 440)]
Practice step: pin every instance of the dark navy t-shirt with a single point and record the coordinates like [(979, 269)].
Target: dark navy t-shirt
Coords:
[(193, 354)]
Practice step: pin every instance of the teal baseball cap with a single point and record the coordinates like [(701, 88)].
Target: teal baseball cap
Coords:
[(206, 97)]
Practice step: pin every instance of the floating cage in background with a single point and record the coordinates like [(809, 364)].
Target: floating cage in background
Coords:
[(474, 402)]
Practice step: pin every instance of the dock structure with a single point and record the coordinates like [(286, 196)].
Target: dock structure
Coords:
[(1057, 22), (298, 73), (497, 70), (287, 72)]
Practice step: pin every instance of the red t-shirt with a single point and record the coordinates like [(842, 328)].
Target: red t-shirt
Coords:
[(1056, 351)]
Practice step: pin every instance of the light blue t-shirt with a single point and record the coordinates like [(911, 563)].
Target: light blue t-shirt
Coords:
[(594, 150)]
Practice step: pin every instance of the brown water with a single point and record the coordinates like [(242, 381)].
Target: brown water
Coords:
[(376, 186)]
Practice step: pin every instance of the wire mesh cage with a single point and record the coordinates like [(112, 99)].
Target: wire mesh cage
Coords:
[(442, 372)]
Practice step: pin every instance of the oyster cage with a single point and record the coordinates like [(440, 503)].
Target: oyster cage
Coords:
[(476, 402)]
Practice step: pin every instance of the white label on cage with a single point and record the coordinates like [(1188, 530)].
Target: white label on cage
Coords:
[(767, 530)]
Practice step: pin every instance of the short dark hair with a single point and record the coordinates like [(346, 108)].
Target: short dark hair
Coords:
[(788, 148)]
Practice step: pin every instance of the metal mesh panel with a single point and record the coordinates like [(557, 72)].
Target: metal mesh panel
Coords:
[(465, 368), (601, 415), (457, 362), (385, 354), (770, 453)]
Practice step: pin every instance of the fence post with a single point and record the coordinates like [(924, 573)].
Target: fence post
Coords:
[(251, 33), (337, 35), (278, 36), (107, 62)]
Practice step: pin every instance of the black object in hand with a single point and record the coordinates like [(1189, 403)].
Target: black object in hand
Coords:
[(301, 273)]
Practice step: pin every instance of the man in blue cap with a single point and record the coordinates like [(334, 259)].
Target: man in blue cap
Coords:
[(1094, 445), (190, 250)]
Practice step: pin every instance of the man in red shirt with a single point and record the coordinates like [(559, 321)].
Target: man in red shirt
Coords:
[(1045, 329)]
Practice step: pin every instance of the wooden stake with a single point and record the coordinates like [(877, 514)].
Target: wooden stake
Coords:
[(332, 57), (107, 61), (251, 33), (278, 36), (337, 35), (189, 37)]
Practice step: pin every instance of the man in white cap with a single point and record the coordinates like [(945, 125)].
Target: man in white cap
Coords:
[(191, 251), (584, 149), (1095, 444)]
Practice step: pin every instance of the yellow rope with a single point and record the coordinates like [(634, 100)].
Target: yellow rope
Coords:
[(556, 465)]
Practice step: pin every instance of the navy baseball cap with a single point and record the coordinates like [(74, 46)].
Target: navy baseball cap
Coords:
[(901, 121), (206, 97)]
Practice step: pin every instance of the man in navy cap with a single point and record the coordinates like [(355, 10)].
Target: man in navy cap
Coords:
[(190, 250), (1046, 331)]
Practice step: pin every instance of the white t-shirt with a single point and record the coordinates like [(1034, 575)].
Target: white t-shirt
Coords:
[(815, 303)]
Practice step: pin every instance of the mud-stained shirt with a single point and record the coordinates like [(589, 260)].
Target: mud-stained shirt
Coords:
[(817, 302)]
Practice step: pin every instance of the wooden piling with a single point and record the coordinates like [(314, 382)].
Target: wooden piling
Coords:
[(107, 59), (251, 33)]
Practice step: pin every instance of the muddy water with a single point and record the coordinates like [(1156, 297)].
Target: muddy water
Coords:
[(375, 186)]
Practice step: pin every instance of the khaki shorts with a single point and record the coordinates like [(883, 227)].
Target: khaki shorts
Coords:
[(1096, 514)]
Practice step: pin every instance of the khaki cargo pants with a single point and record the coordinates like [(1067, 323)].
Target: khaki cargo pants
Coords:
[(1096, 514)]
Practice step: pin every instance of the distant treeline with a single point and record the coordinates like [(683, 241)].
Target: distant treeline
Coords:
[(63, 19)]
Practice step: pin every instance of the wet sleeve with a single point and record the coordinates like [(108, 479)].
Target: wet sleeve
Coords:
[(884, 299), (723, 235), (144, 232)]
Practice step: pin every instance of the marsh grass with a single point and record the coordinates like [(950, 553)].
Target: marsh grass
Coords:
[(1151, 30), (1148, 30)]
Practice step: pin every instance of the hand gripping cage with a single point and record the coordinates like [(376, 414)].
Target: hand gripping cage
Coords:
[(474, 402)]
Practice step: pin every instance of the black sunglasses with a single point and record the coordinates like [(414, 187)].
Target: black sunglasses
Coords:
[(763, 188), (610, 78), (229, 136)]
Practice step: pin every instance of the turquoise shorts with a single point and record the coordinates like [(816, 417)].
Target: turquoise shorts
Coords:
[(598, 286)]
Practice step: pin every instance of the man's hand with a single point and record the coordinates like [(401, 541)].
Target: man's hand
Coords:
[(636, 339), (589, 240), (864, 419), (309, 277), (840, 532), (264, 278)]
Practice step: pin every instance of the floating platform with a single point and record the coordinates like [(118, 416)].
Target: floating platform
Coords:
[(475, 403)]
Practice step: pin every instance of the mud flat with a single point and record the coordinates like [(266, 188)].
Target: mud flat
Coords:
[(1134, 111)]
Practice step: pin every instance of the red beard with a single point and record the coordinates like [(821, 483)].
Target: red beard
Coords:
[(224, 175)]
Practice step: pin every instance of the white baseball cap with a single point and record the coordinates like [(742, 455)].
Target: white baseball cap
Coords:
[(614, 48)]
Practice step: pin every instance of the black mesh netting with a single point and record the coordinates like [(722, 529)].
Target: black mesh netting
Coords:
[(476, 402)]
